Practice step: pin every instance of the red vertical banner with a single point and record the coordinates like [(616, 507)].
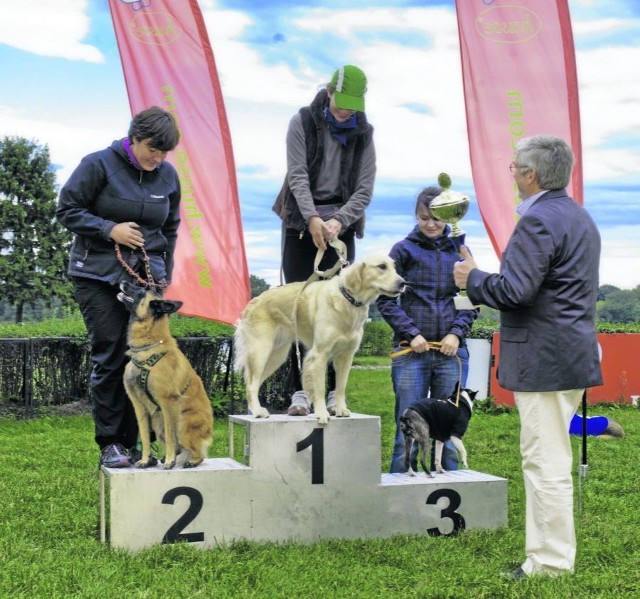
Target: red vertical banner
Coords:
[(168, 62), (519, 76)]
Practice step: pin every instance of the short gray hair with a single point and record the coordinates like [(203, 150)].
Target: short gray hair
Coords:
[(551, 158)]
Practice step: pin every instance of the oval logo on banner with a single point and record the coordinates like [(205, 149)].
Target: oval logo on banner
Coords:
[(508, 24), (155, 28)]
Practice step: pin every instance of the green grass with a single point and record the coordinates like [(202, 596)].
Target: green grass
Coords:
[(49, 526)]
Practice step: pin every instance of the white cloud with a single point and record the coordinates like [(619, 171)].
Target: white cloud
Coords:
[(48, 28), (415, 102), (67, 144)]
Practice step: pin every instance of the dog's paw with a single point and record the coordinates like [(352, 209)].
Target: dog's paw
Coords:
[(465, 465), (143, 464), (342, 413), (169, 464), (323, 417), (429, 474), (411, 471), (260, 413)]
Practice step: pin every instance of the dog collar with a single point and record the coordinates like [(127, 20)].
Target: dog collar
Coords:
[(349, 297), (146, 347)]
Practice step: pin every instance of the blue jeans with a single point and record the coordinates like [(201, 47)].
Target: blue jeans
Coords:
[(416, 376)]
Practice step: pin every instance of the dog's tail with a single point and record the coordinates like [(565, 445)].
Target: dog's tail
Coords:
[(239, 353), (613, 431)]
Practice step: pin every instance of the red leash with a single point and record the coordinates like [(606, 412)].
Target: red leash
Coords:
[(145, 259)]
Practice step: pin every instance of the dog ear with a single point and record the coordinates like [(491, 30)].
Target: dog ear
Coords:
[(353, 275), (161, 307), (472, 394)]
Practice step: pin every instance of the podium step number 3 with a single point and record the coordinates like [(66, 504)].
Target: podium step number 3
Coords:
[(293, 480)]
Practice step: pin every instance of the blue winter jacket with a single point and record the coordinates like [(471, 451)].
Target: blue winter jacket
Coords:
[(106, 189), (426, 307)]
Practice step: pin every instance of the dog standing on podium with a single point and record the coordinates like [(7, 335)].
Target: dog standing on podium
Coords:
[(163, 387), (440, 419), (327, 316)]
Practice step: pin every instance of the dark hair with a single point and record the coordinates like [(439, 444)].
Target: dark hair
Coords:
[(426, 196), (156, 125)]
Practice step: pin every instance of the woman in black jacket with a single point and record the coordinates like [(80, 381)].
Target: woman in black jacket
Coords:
[(122, 204)]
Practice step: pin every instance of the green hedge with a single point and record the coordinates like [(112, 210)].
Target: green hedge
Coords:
[(181, 326), (377, 339)]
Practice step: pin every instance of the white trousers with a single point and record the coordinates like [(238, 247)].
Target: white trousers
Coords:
[(545, 446)]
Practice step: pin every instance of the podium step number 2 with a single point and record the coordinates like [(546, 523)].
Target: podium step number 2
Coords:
[(293, 480)]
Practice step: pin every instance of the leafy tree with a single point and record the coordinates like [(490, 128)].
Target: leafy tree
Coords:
[(258, 285), (622, 306), (605, 290), (33, 245)]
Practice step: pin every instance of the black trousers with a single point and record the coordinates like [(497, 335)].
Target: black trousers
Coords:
[(298, 256), (107, 320)]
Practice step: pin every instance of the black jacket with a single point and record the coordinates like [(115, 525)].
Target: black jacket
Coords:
[(106, 189)]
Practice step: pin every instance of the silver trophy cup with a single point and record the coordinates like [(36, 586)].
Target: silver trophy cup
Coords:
[(450, 207)]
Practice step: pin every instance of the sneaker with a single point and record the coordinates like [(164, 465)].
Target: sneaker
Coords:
[(331, 403), (514, 575), (114, 456), (135, 455), (299, 404)]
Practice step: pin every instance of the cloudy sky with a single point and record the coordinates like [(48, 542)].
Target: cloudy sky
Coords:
[(62, 85)]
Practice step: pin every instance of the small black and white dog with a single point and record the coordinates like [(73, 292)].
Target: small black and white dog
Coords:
[(440, 419)]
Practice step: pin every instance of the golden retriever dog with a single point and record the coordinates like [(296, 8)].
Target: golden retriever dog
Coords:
[(327, 316), (163, 387)]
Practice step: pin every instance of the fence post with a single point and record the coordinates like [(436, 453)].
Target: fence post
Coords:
[(27, 376)]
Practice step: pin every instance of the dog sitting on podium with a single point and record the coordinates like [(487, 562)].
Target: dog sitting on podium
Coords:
[(163, 387), (440, 419)]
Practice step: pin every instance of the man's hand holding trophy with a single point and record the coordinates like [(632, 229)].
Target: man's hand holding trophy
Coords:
[(450, 207)]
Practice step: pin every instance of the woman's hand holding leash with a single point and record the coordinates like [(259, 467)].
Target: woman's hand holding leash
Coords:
[(419, 344), (128, 234), (332, 229), (449, 345)]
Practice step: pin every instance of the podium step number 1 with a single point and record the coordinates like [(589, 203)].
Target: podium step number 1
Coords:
[(293, 481)]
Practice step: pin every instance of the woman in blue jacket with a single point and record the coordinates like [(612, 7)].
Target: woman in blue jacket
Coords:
[(122, 204), (424, 314)]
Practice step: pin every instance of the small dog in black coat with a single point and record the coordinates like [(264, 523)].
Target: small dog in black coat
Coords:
[(441, 419)]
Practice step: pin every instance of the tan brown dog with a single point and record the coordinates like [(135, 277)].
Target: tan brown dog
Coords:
[(163, 387), (326, 316)]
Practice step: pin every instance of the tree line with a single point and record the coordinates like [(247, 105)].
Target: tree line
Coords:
[(34, 247)]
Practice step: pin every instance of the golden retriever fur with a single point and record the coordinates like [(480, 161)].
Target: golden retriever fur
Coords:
[(319, 314), (163, 387)]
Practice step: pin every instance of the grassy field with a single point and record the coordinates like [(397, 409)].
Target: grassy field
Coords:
[(49, 519)]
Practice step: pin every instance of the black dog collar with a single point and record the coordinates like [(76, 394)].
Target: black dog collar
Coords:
[(349, 297)]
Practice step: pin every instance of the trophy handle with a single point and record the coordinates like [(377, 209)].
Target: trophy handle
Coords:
[(462, 301)]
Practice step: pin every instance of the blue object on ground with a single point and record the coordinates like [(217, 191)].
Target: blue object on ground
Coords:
[(596, 425)]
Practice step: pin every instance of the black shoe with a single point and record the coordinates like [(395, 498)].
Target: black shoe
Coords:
[(135, 455), (514, 575)]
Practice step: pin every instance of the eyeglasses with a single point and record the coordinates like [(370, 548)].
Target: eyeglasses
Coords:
[(513, 167)]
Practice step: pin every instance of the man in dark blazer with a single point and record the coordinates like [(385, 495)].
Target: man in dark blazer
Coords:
[(546, 293)]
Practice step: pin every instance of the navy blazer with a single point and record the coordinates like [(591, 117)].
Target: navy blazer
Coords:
[(546, 293)]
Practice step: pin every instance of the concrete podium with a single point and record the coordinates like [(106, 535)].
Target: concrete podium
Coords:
[(296, 481)]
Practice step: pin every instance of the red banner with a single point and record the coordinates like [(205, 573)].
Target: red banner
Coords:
[(168, 62), (519, 75)]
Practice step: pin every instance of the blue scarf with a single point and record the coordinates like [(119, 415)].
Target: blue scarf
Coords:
[(337, 129)]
